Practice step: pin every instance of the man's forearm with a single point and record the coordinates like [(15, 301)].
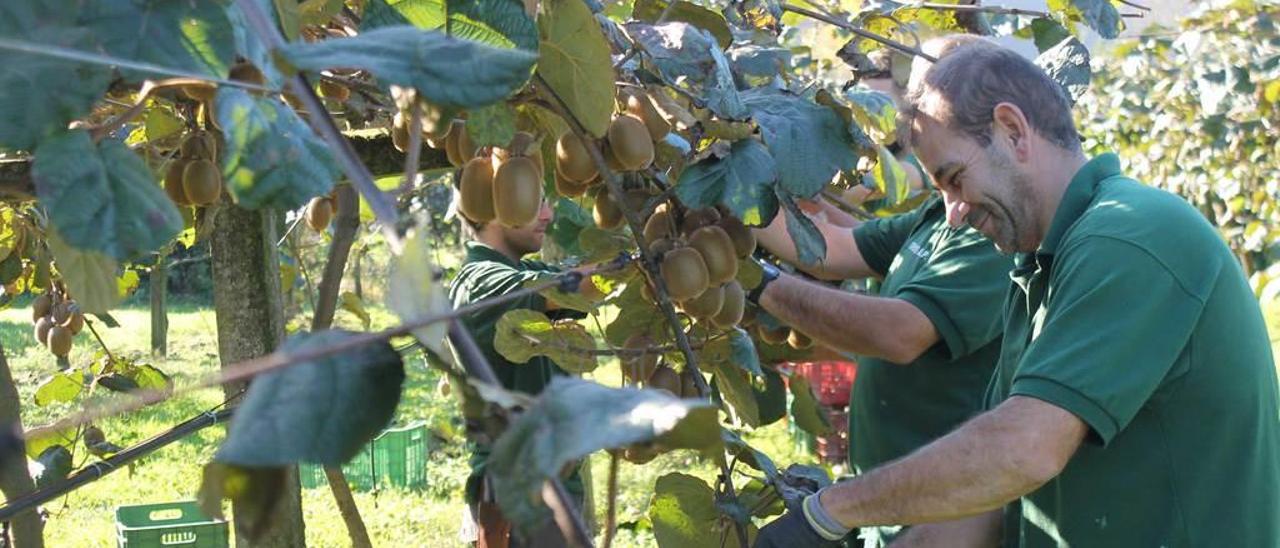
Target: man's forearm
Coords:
[(989, 461), (886, 328)]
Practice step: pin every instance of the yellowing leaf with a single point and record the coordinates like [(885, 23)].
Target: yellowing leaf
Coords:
[(352, 303), (90, 275), (414, 292), (574, 60)]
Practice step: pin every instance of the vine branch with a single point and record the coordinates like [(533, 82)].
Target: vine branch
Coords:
[(860, 32)]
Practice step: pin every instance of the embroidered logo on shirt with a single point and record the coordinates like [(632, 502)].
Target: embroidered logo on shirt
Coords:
[(918, 250)]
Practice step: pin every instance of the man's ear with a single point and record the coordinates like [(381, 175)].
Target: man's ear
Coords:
[(1012, 128)]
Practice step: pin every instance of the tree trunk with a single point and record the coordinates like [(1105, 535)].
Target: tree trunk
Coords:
[(159, 314), (27, 529), (250, 319)]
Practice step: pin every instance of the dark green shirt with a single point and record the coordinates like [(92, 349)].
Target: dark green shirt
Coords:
[(958, 280), (486, 273), (1134, 316)]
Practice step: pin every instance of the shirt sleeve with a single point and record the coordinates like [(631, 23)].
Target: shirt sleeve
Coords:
[(880, 240), (1117, 324), (962, 290)]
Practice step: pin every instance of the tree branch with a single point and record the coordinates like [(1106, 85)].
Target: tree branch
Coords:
[(860, 32)]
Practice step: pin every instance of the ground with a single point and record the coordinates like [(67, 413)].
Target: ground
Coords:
[(394, 518)]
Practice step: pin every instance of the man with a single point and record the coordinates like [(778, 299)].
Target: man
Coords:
[(494, 266), (1135, 402)]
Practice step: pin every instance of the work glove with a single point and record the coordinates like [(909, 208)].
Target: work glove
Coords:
[(805, 524)]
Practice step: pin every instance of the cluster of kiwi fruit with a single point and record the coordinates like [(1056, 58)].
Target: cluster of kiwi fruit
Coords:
[(628, 145), (193, 177), (57, 320), (699, 254)]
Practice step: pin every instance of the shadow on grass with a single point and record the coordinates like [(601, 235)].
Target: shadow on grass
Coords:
[(16, 337)]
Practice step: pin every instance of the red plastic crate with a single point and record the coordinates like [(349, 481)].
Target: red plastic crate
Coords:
[(833, 448), (831, 380)]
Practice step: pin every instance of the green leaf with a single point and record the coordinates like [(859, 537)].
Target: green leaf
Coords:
[(290, 18), (322, 410), (102, 197), (425, 14), (43, 94), (684, 513), (571, 301), (1099, 15), (10, 231), (757, 60), (271, 158), (567, 223), (1047, 33), (319, 12), (91, 276), (689, 58), (748, 455), (761, 499), (447, 71), (414, 291), (635, 316), (742, 181), (805, 408), (522, 334), (734, 385), (889, 177), (191, 36), (161, 123), (575, 62), (501, 23), (874, 112), (493, 125), (148, 377), (249, 46), (37, 444), (811, 246), (599, 245), (54, 464), (734, 349), (1068, 64), (808, 141), (59, 388), (117, 382), (650, 10), (352, 303), (573, 418), (772, 398)]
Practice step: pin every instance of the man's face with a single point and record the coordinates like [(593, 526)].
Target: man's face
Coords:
[(981, 186), (528, 238)]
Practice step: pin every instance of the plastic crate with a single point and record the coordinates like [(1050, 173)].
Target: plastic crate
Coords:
[(396, 458), (833, 448), (180, 524), (831, 380)]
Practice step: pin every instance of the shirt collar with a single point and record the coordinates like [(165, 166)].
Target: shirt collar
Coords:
[(479, 251), (1078, 196)]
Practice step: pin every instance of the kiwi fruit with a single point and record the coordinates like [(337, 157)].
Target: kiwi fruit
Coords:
[(517, 192), (197, 146), (200, 92), (245, 72), (333, 90), (698, 218), (520, 145), (685, 273), (661, 246), (572, 159), (630, 142), (400, 132), (60, 312), (606, 212), (744, 240), (173, 183), (451, 149), (609, 158), (59, 340), (43, 325), (74, 323), (637, 454), (705, 306), (201, 182), (640, 106), (688, 385), (717, 251), (319, 212), (665, 378), (775, 336), (735, 301), (466, 147), (799, 341), (41, 306), (476, 190), (568, 188), (638, 368), (658, 225)]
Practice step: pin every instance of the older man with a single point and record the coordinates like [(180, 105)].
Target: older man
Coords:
[(1135, 401)]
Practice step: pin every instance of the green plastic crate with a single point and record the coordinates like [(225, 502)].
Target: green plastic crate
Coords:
[(166, 524), (396, 458)]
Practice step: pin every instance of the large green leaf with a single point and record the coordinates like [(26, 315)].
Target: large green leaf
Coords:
[(748, 455), (573, 418), (271, 158), (102, 197), (635, 316), (426, 14), (771, 398), (888, 177), (805, 408), (1068, 64), (575, 62), (734, 385), (413, 292), (43, 94), (599, 245), (757, 60), (650, 11), (734, 349), (192, 36), (811, 246), (522, 334), (808, 141), (501, 23), (684, 513), (567, 223), (59, 388), (322, 410), (742, 181), (493, 125), (874, 112), (447, 71), (690, 58), (1099, 15)]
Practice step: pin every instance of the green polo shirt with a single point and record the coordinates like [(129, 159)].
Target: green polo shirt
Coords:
[(958, 280), (1134, 316), (487, 273)]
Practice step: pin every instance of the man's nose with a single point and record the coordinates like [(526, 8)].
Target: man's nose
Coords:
[(957, 210)]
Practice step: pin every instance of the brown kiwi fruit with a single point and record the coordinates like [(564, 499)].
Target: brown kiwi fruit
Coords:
[(197, 146), (717, 251), (638, 454), (688, 386), (41, 307), (744, 240), (437, 139), (466, 147), (606, 212), (705, 306), (451, 144), (319, 212), (476, 191), (517, 192), (200, 92), (637, 198), (201, 182), (661, 246), (333, 90), (173, 183), (665, 378), (630, 142), (569, 188), (799, 341), (60, 312), (775, 336), (640, 106), (400, 132), (245, 72), (521, 145), (685, 273), (43, 325), (59, 340), (735, 301), (572, 159), (637, 369), (658, 225), (698, 218), (74, 323)]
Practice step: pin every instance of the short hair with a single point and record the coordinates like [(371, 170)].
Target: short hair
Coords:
[(972, 76)]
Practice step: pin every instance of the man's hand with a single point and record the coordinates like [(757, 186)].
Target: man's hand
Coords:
[(791, 531)]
